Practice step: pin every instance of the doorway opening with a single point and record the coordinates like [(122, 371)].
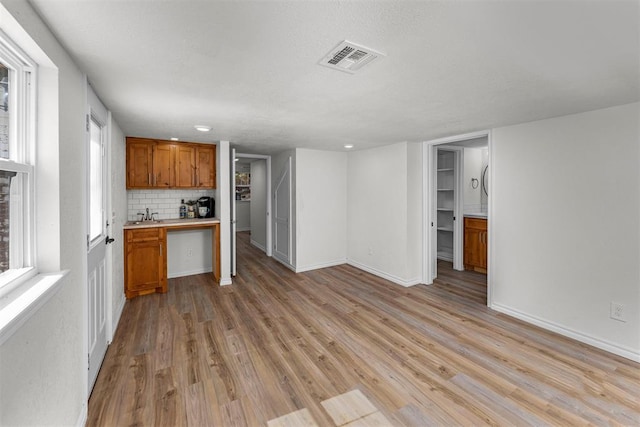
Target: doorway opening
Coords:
[(251, 201), (457, 205)]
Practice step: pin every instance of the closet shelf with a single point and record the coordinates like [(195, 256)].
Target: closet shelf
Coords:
[(446, 202), (447, 229)]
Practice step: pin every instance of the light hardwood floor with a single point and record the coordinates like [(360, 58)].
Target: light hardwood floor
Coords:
[(277, 343)]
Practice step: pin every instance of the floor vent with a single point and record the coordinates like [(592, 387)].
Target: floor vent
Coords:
[(349, 57)]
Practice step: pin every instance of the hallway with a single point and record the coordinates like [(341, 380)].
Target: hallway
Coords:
[(276, 343)]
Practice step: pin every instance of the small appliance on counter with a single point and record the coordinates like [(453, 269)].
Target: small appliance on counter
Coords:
[(206, 207)]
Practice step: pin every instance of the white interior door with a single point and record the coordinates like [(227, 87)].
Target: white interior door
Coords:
[(282, 215), (97, 140), (232, 168)]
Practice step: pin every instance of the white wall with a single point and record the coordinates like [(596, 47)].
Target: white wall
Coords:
[(223, 209), (188, 252), (472, 169), (565, 214), (243, 215), (321, 208), (383, 187), (43, 366), (259, 204), (414, 214)]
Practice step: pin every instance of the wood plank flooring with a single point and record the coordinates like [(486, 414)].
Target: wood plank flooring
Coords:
[(277, 343)]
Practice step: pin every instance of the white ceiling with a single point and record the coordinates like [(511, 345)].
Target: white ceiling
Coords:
[(249, 68)]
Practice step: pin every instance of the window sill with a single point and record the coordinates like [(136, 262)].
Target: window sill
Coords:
[(24, 301)]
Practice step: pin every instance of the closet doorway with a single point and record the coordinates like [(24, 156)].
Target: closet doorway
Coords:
[(457, 191), (251, 192)]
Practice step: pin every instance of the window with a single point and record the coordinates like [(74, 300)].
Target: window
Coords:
[(96, 198), (17, 120)]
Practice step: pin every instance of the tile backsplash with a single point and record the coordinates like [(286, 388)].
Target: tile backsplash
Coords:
[(165, 202)]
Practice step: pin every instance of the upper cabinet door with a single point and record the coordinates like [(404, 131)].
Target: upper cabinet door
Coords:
[(206, 166), (139, 163), (163, 165), (185, 166)]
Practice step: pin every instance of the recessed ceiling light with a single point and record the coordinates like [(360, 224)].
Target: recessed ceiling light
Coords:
[(174, 139), (202, 128), (348, 146)]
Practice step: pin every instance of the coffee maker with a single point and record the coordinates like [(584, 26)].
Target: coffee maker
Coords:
[(210, 204)]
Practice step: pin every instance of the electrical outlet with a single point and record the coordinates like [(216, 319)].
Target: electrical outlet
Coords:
[(189, 252), (617, 311)]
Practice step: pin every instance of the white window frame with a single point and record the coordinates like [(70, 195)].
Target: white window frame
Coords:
[(22, 140)]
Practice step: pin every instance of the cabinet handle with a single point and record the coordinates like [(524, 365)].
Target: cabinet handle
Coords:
[(160, 249)]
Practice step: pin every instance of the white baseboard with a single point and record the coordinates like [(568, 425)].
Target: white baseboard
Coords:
[(225, 281), (321, 265), (189, 273), (625, 352), (258, 245), (389, 277), (82, 418)]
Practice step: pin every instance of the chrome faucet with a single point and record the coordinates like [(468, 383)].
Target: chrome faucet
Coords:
[(148, 216)]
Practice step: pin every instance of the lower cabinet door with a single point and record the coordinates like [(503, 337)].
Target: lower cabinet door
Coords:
[(475, 244), (145, 261)]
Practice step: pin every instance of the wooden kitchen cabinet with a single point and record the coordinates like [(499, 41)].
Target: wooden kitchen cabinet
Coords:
[(185, 166), (475, 244), (145, 261), (206, 166), (139, 163), (165, 164)]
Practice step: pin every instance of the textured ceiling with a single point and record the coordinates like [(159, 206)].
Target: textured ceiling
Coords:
[(249, 68)]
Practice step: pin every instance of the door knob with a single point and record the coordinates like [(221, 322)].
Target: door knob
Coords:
[(108, 240)]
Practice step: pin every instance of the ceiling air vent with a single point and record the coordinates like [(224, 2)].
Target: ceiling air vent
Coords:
[(349, 57)]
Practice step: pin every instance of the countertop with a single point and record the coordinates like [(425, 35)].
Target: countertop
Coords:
[(170, 223), (482, 215)]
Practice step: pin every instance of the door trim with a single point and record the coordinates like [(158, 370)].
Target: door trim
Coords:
[(234, 214), (428, 250)]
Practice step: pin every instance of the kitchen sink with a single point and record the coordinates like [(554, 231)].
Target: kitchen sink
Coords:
[(151, 221)]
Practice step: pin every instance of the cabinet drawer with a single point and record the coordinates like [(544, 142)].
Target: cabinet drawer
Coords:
[(477, 223), (144, 235)]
